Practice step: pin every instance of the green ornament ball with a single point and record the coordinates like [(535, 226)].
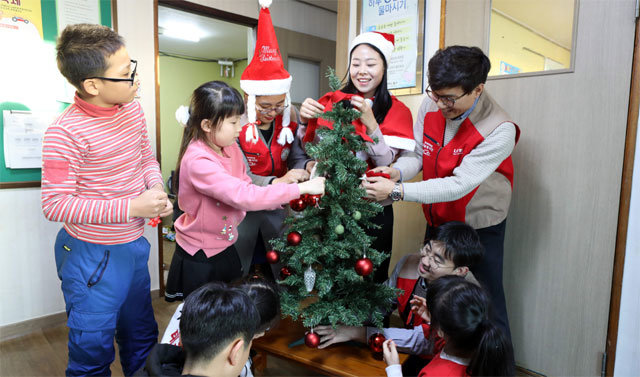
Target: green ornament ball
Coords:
[(339, 229), (357, 215)]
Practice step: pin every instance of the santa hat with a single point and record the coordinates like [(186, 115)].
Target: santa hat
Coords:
[(266, 76), (382, 41)]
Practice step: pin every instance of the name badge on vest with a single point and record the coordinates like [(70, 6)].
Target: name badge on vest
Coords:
[(252, 159), (284, 154), (427, 148)]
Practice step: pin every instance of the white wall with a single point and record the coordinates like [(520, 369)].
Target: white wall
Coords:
[(29, 285), (138, 33), (628, 347)]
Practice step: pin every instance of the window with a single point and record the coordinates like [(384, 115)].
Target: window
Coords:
[(531, 36), (307, 79)]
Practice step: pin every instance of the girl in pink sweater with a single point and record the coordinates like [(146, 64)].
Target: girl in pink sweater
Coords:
[(215, 192)]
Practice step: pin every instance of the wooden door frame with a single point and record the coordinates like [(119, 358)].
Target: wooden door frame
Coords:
[(623, 211), (198, 9)]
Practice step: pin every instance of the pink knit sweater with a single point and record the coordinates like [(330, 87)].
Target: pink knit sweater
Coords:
[(215, 192)]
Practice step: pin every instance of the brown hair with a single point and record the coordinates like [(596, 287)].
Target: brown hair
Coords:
[(83, 49)]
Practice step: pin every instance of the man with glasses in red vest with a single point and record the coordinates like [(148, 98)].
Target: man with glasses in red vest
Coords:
[(464, 141)]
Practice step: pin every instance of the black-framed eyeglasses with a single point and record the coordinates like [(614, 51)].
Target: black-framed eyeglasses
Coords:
[(131, 79), (446, 100), (426, 251)]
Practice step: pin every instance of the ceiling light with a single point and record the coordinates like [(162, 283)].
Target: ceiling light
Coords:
[(185, 32)]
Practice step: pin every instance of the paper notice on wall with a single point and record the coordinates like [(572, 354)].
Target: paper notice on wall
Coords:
[(21, 15), (400, 18), (72, 12), (23, 133)]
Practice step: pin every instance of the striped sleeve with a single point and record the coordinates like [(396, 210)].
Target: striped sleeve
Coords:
[(62, 154), (150, 167)]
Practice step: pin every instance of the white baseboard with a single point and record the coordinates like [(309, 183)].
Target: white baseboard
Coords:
[(18, 329)]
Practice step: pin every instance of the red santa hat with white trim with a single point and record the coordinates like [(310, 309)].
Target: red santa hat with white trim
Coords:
[(265, 76), (384, 42)]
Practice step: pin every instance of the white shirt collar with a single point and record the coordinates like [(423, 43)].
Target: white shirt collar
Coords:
[(455, 359)]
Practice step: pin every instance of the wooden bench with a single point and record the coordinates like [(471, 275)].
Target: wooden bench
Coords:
[(346, 359)]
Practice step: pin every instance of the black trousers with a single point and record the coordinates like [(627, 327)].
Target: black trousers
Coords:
[(383, 241)]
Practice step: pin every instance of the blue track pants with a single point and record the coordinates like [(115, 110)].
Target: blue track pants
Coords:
[(107, 294)]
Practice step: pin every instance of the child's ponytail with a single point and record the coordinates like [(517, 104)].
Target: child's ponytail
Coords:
[(492, 356), (460, 310)]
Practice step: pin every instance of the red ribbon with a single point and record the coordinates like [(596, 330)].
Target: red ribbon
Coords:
[(371, 173), (328, 100)]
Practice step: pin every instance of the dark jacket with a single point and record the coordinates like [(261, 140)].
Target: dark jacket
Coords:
[(163, 360)]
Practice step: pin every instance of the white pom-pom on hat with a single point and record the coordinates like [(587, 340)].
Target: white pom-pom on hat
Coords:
[(265, 3), (182, 115)]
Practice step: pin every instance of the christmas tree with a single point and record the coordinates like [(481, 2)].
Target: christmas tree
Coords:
[(327, 274)]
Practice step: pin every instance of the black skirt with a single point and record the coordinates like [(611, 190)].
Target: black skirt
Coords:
[(189, 272)]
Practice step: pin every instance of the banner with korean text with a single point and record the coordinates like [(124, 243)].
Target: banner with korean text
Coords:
[(400, 18)]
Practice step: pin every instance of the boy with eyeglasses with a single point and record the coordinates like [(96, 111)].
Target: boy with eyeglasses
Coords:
[(100, 178), (268, 140), (464, 141), (453, 250)]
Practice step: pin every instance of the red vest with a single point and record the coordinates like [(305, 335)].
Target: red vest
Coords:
[(263, 159), (407, 316), (439, 161), (441, 367), (410, 319)]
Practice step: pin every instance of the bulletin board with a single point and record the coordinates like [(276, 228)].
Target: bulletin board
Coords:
[(405, 19), (44, 17)]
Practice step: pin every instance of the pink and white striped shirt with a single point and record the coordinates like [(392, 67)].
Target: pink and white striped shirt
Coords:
[(95, 160)]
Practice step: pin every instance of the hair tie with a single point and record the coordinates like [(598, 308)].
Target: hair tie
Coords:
[(182, 115)]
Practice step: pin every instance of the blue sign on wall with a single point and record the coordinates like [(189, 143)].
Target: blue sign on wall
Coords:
[(508, 69)]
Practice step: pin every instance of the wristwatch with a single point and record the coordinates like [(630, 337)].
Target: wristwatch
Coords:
[(396, 193)]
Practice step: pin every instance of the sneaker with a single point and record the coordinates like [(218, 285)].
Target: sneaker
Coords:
[(170, 236)]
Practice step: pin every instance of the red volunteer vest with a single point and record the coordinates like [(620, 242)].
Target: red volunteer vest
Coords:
[(411, 319), (439, 161), (263, 159), (407, 286)]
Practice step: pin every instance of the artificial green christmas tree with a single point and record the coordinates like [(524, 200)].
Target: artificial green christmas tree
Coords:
[(327, 242)]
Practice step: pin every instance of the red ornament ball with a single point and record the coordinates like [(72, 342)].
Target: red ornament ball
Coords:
[(294, 238), (311, 200), (272, 256), (364, 266), (284, 273), (312, 340), (298, 204), (375, 342)]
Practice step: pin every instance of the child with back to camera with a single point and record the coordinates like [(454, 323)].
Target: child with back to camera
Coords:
[(474, 344), (217, 325), (168, 356), (214, 191)]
